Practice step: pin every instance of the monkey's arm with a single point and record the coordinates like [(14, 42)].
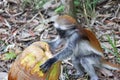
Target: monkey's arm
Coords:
[(65, 53), (56, 45)]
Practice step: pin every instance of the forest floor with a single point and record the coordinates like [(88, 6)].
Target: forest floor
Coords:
[(20, 26)]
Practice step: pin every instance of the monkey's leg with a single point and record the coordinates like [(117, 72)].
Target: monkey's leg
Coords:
[(77, 66), (89, 68)]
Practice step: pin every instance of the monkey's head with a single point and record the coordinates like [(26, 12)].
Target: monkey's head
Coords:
[(65, 22), (65, 25)]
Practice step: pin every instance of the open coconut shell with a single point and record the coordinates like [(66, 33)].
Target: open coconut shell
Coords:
[(26, 66)]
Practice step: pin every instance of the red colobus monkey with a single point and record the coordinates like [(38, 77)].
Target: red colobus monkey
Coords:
[(81, 45)]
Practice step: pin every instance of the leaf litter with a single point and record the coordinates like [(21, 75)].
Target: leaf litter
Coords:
[(19, 27)]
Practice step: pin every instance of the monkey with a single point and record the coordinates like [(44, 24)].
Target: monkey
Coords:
[(81, 45), (54, 43)]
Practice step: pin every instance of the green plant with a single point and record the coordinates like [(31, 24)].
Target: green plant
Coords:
[(76, 2), (66, 73), (26, 3), (35, 4), (87, 9), (2, 42), (2, 46), (39, 4), (59, 9), (9, 55), (113, 44)]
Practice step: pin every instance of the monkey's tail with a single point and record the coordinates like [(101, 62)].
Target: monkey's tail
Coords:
[(109, 65)]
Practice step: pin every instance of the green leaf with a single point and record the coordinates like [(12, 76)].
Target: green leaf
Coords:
[(10, 55), (54, 71), (77, 2), (59, 9), (113, 43)]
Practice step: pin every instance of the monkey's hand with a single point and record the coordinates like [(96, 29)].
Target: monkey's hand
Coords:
[(45, 67)]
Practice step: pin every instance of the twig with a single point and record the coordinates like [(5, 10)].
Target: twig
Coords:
[(118, 9), (7, 12), (17, 14), (45, 21), (41, 16), (7, 24), (32, 18)]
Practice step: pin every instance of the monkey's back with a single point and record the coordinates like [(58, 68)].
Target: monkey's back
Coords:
[(91, 37)]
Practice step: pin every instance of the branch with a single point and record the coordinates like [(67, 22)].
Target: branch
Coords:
[(69, 7)]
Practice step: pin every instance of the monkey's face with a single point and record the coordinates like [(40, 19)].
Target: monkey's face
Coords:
[(65, 32), (61, 32), (63, 25), (62, 28)]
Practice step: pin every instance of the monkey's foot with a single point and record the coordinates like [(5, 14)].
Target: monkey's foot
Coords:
[(45, 67), (94, 78), (78, 75)]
